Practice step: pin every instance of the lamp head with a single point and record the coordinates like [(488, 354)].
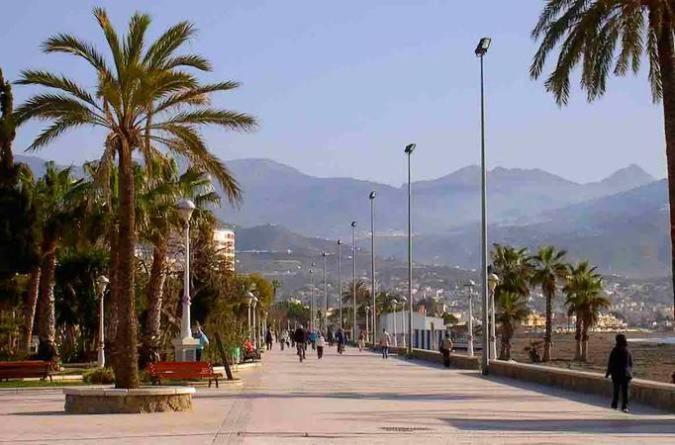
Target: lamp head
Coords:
[(339, 242), (185, 208), (493, 281), (410, 148), (372, 195), (250, 297), (470, 284), (353, 223), (483, 46), (102, 282)]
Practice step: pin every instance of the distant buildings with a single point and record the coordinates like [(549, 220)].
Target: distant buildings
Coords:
[(225, 243)]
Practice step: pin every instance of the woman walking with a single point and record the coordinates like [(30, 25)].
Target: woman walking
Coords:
[(620, 368), (362, 341), (320, 344)]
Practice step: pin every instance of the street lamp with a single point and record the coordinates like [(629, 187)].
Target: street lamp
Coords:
[(256, 339), (372, 262), (403, 301), (339, 256), (312, 306), (186, 346), (353, 280), (480, 52), (249, 298), (101, 284), (325, 292), (367, 330), (394, 302), (470, 285), (493, 281), (409, 151)]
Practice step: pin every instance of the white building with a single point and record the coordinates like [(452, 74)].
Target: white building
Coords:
[(224, 239), (427, 331)]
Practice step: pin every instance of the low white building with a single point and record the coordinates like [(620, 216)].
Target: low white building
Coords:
[(427, 331)]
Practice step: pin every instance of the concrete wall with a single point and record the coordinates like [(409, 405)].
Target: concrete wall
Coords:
[(459, 361), (656, 394)]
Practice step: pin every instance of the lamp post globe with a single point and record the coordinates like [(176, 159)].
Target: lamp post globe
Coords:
[(409, 149), (373, 322), (493, 281), (185, 345)]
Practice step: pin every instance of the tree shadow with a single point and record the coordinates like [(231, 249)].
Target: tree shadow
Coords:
[(38, 413), (627, 425)]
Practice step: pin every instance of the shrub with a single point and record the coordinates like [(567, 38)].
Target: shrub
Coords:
[(99, 376)]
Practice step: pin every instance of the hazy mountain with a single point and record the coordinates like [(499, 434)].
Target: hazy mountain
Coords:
[(278, 194)]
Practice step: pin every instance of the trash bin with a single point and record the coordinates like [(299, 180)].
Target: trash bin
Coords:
[(235, 354)]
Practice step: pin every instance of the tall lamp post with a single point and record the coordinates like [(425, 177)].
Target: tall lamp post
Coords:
[(256, 337), (480, 51), (353, 280), (250, 297), (186, 346), (493, 281), (367, 330), (325, 292), (409, 151), (470, 285), (403, 301), (312, 305), (394, 302), (102, 283), (373, 324), (339, 263)]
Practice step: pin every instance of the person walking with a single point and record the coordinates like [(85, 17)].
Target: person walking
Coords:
[(620, 368), (385, 341), (320, 344), (362, 341), (269, 340), (446, 348), (198, 334), (341, 341), (299, 337)]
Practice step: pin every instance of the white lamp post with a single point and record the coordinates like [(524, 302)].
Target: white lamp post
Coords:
[(102, 283), (324, 323), (339, 291), (394, 302), (372, 262), (255, 325), (353, 280), (250, 297), (409, 151), (493, 281), (470, 285), (367, 315), (403, 332), (312, 305), (186, 346)]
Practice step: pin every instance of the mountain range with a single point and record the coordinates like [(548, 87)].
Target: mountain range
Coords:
[(619, 223)]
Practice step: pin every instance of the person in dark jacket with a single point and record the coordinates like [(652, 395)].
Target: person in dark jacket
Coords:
[(620, 368), (299, 337)]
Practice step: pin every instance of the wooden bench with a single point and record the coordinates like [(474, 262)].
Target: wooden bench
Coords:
[(181, 371), (25, 369)]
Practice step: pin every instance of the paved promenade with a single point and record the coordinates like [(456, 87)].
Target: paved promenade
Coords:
[(354, 398)]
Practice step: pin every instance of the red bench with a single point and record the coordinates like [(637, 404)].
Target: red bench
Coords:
[(181, 371), (26, 369)]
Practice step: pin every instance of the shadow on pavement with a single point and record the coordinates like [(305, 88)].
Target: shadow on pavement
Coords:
[(609, 426)]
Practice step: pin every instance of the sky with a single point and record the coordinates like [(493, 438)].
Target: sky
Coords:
[(340, 88)]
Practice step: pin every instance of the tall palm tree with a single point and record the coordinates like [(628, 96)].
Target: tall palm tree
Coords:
[(61, 206), (146, 101), (514, 268), (362, 297), (582, 281), (549, 270), (606, 37), (511, 311)]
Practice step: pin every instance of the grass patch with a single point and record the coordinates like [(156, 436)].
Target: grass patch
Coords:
[(39, 384)]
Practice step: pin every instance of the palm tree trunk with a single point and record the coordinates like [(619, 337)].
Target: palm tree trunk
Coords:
[(47, 349), (126, 363), (155, 293), (577, 337), (112, 315), (666, 54), (29, 307), (584, 340), (548, 334)]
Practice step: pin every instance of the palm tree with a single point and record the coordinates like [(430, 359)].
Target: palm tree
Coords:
[(549, 270), (611, 37), (7, 129), (61, 205), (514, 268), (362, 297), (594, 302), (511, 311), (145, 100), (582, 281)]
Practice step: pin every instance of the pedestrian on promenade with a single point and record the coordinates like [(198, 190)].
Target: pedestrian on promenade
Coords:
[(299, 337), (341, 341), (362, 341), (269, 340), (200, 336), (446, 347), (385, 341), (320, 344), (312, 339), (620, 368)]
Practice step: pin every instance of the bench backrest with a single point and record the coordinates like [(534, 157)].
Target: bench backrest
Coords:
[(26, 368), (181, 369)]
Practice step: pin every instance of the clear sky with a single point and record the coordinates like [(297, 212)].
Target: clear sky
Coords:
[(340, 87)]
